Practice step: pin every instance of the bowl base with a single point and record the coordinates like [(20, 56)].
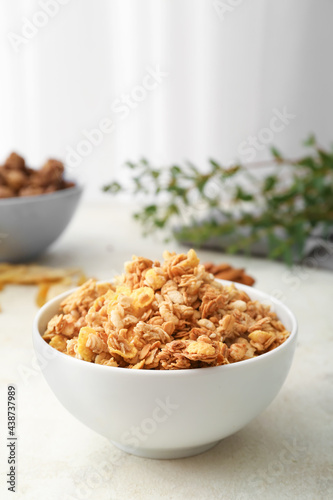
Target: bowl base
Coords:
[(165, 454)]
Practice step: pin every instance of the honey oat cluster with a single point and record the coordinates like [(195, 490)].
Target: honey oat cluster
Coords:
[(166, 316), (16, 179)]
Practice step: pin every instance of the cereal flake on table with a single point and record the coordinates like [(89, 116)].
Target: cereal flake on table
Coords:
[(168, 316)]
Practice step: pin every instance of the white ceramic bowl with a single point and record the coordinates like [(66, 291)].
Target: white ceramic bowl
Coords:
[(29, 224), (166, 414)]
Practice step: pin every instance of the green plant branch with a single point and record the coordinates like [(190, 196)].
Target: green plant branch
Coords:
[(218, 202)]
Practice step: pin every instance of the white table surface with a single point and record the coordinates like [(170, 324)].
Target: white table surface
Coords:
[(286, 453)]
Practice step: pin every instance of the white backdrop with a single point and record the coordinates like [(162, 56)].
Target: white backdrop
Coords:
[(165, 79)]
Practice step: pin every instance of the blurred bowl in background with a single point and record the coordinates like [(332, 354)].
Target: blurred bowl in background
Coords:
[(30, 224)]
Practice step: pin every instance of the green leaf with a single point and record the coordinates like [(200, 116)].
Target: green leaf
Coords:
[(241, 195), (230, 172), (150, 210), (274, 244), (299, 233), (113, 188), (201, 183), (326, 159), (177, 190), (310, 141), (269, 183), (277, 155), (288, 255), (215, 165), (160, 223), (308, 161), (172, 209), (175, 170)]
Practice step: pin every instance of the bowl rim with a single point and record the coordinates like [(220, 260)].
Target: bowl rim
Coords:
[(20, 200), (37, 336)]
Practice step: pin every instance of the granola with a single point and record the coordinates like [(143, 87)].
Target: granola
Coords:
[(16, 179), (168, 316)]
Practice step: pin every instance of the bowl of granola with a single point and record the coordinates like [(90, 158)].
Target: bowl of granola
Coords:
[(35, 207), (166, 360)]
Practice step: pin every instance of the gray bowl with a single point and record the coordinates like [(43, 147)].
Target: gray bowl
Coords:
[(30, 224)]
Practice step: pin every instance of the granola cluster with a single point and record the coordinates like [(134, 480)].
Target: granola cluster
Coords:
[(16, 179), (163, 317)]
